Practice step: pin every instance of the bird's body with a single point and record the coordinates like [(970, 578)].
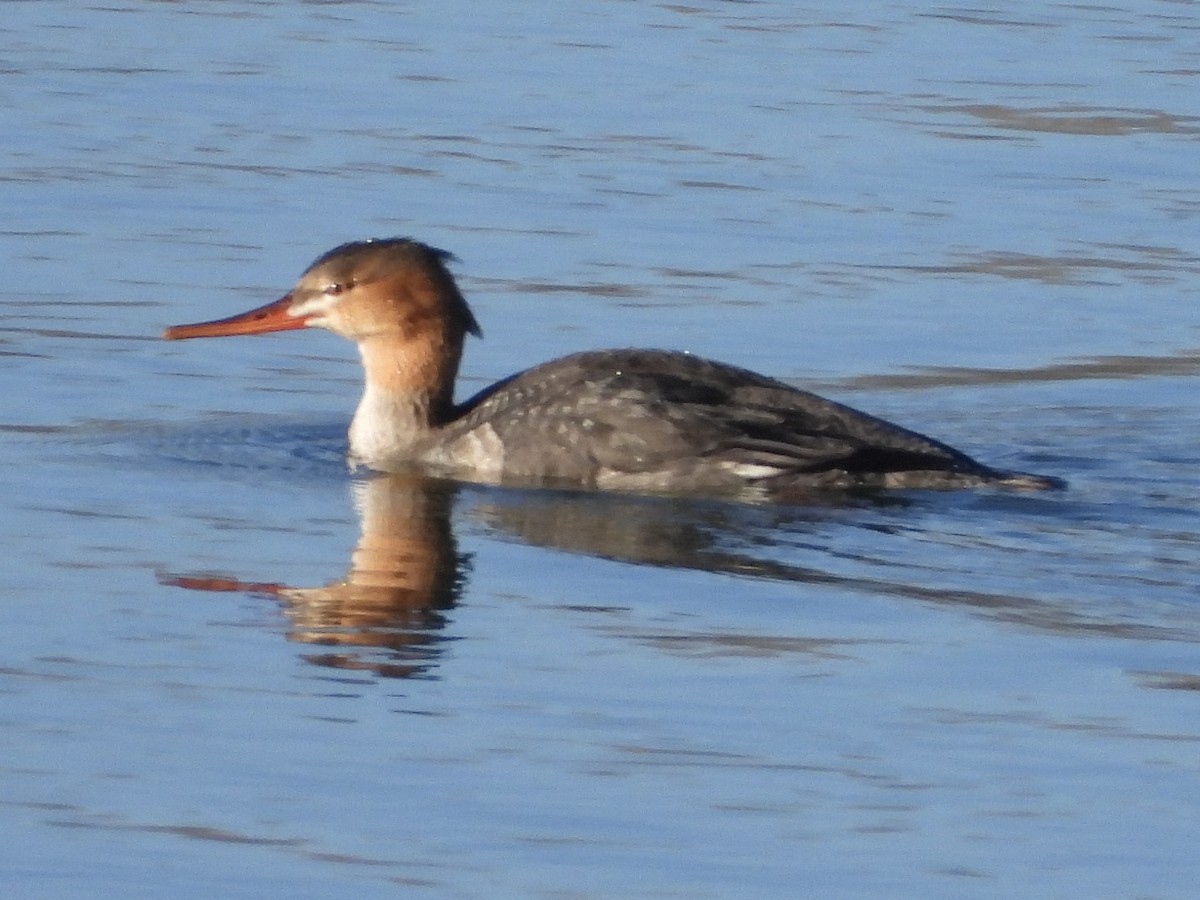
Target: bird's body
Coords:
[(632, 420)]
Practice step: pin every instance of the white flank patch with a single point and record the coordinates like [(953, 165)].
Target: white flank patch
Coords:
[(750, 471), (479, 452)]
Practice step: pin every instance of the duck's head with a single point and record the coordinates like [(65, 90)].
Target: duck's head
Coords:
[(393, 287)]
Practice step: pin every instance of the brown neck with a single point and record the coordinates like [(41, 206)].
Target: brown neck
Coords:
[(409, 371), (408, 395)]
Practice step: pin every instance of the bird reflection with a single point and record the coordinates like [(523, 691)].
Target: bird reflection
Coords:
[(387, 614), (405, 572)]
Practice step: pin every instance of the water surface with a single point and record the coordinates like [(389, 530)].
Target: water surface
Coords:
[(231, 668)]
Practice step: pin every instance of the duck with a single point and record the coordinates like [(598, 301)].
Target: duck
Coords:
[(634, 420)]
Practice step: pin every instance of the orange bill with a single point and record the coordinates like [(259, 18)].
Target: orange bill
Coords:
[(218, 583), (272, 317)]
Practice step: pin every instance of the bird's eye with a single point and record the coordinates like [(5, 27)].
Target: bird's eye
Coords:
[(333, 290)]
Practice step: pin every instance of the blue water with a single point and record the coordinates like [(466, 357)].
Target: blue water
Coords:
[(229, 667)]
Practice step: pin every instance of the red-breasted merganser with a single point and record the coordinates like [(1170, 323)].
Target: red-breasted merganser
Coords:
[(632, 420)]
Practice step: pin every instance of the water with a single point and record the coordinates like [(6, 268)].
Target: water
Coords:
[(231, 669)]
